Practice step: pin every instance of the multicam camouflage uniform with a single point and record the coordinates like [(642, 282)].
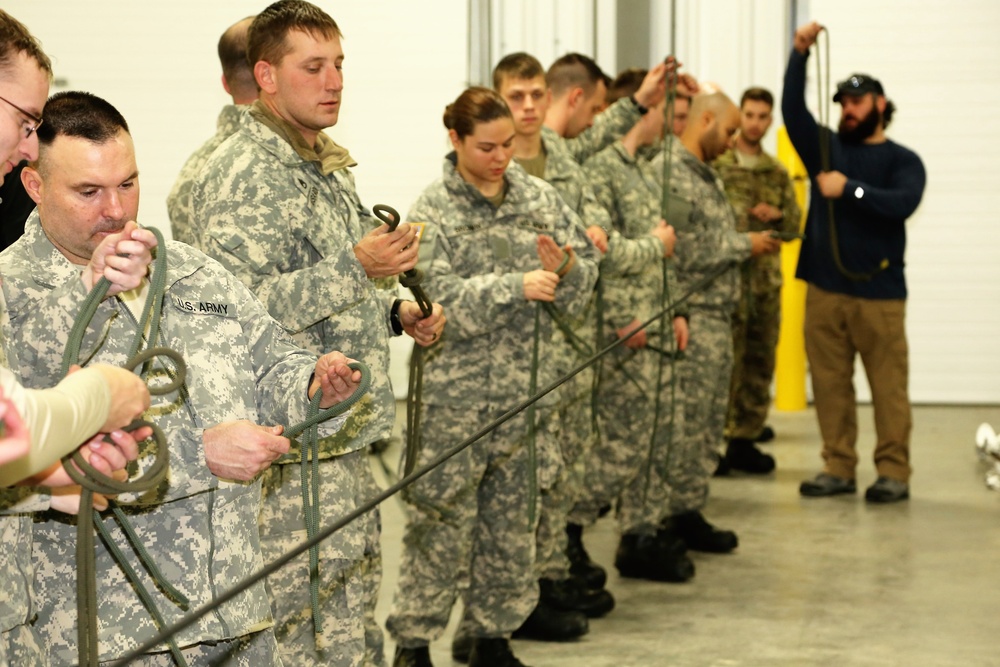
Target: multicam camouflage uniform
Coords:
[(183, 225), (707, 241), (199, 529), (628, 188), (471, 515), (286, 225), (757, 319)]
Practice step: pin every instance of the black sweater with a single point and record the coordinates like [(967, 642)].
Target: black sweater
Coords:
[(890, 179)]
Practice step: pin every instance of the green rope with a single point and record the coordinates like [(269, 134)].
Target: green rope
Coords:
[(532, 425), (310, 477), (92, 481)]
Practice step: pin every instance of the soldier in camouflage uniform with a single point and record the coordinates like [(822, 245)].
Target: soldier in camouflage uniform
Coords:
[(282, 213), (636, 376), (493, 241), (200, 525), (707, 241), (237, 79), (762, 197), (25, 71)]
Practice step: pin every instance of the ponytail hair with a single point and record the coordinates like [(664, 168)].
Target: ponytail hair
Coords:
[(475, 105)]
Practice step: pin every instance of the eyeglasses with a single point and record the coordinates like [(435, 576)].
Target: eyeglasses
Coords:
[(28, 128)]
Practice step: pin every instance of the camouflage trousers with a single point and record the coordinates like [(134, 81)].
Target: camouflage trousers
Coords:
[(574, 438), (350, 566), (704, 377), (20, 646), (755, 339), (618, 466), (258, 648), (468, 520)]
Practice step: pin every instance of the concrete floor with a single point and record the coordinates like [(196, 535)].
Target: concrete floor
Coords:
[(829, 581)]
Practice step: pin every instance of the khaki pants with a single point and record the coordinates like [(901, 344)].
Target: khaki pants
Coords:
[(837, 328)]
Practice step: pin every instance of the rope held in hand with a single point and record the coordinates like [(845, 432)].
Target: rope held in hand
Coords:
[(406, 481), (92, 481)]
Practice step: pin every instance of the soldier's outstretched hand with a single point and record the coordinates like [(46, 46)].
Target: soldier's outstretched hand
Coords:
[(337, 380), (552, 256), (15, 441)]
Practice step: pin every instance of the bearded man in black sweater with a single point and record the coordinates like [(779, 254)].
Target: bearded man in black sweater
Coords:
[(853, 262)]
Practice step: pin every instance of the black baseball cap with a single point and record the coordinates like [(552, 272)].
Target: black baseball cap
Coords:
[(858, 84)]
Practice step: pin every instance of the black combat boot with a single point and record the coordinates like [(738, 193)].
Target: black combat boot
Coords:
[(548, 624), (743, 454), (412, 657), (461, 644), (700, 535), (573, 595), (659, 557), (580, 564), (493, 652)]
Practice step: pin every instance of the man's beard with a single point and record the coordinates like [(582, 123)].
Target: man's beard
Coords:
[(865, 128)]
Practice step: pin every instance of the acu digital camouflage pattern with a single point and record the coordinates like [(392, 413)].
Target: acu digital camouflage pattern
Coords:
[(350, 565), (199, 529), (467, 525), (707, 240), (757, 320), (475, 257), (288, 232), (183, 225), (609, 126), (630, 380)]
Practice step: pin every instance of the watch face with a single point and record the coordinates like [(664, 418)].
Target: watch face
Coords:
[(859, 192)]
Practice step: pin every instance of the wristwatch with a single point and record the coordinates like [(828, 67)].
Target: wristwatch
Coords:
[(638, 107)]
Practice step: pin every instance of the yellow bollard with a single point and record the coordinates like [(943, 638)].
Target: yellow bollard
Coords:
[(790, 366)]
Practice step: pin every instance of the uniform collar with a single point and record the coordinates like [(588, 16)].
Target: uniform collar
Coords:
[(327, 154)]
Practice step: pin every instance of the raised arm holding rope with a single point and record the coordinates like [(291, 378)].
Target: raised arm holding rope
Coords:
[(865, 186), (199, 528)]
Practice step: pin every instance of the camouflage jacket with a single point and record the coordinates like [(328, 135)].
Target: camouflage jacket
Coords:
[(288, 232), (475, 257), (609, 126), (707, 239), (201, 530), (629, 189), (767, 181), (179, 205), (566, 175), (17, 503)]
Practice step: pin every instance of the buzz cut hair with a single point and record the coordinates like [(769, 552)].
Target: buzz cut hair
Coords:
[(267, 36), (518, 65), (573, 70), (73, 113)]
